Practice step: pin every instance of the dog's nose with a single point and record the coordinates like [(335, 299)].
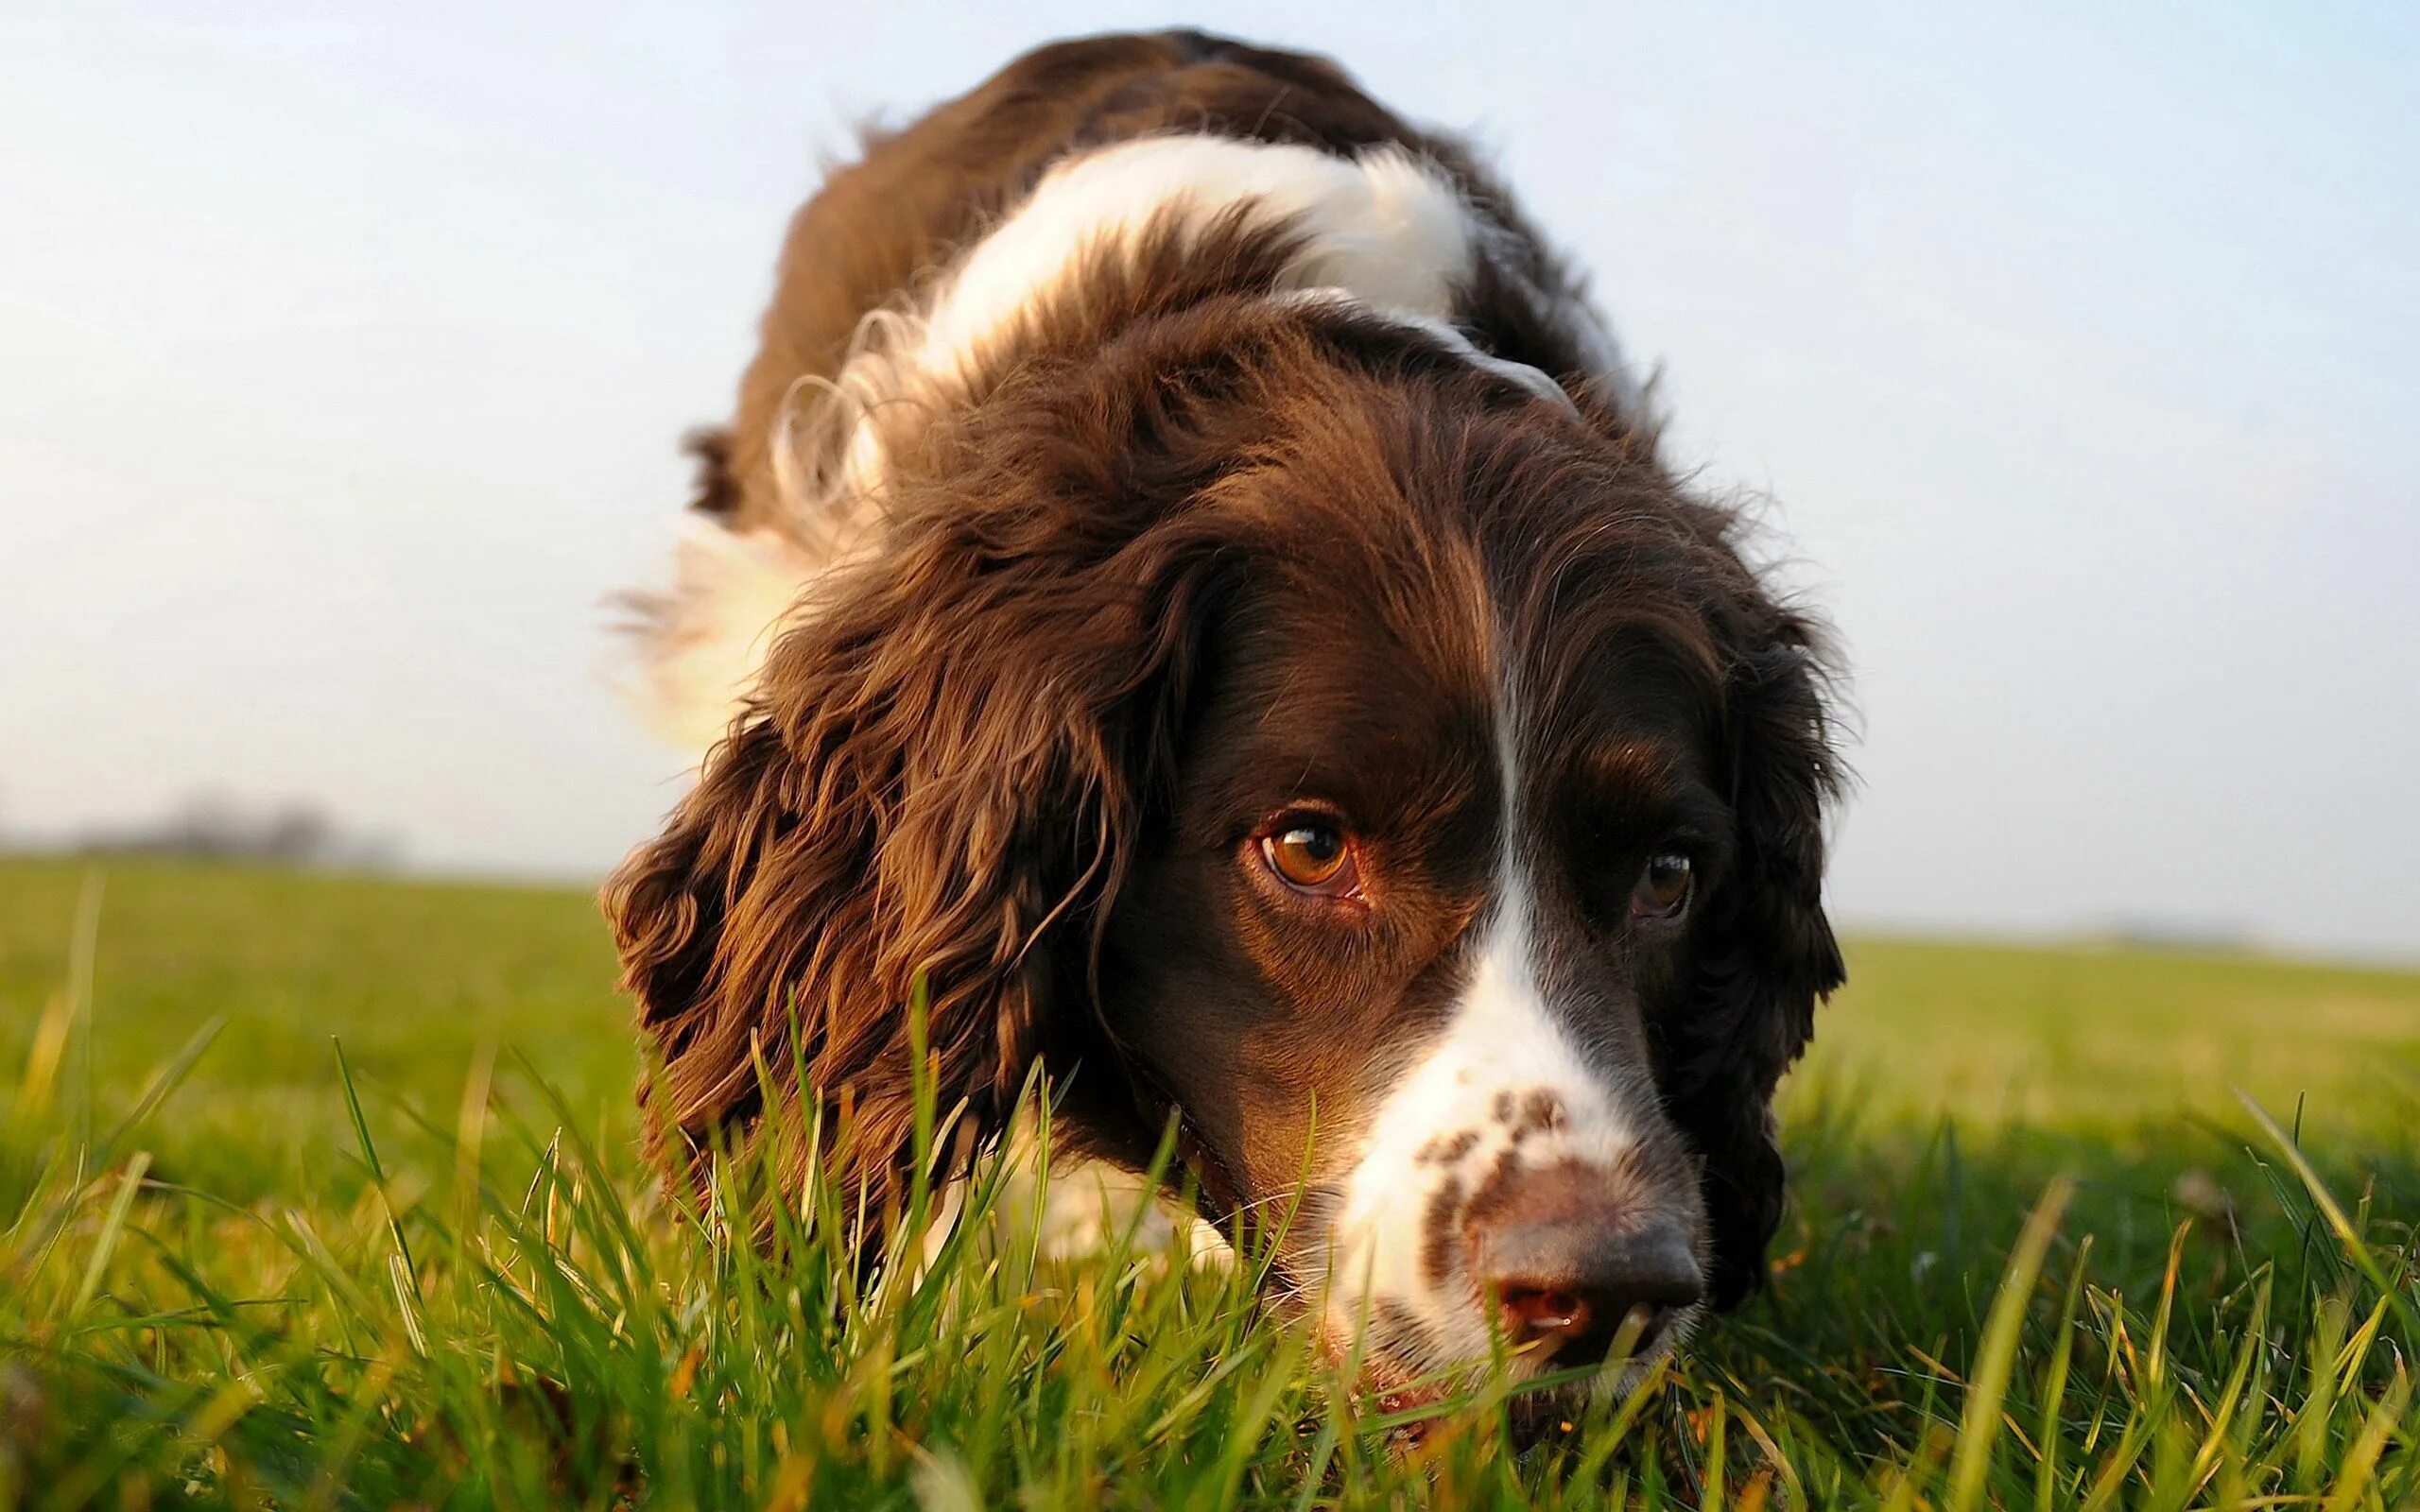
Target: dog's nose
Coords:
[(1568, 1274)]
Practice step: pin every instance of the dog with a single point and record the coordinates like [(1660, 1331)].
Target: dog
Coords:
[(1191, 601)]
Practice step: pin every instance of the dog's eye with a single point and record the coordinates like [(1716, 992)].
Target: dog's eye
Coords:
[(1663, 887), (1312, 857)]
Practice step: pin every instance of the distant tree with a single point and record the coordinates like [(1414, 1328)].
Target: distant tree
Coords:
[(292, 832)]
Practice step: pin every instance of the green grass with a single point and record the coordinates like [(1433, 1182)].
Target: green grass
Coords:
[(470, 1295)]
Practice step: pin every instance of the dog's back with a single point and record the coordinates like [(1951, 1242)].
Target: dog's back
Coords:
[(901, 276), (880, 225)]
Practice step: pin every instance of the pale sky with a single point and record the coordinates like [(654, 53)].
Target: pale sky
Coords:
[(342, 361)]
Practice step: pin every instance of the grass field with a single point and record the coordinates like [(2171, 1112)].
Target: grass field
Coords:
[(466, 1294)]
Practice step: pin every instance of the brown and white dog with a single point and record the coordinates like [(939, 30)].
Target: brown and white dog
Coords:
[(1191, 588)]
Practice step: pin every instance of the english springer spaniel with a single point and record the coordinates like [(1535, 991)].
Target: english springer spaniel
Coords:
[(1190, 595)]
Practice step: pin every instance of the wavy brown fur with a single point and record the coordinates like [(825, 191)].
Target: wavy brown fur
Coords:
[(987, 765)]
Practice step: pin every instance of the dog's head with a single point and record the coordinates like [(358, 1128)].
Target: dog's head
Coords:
[(1281, 724)]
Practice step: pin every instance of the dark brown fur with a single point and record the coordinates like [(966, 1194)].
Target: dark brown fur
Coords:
[(1184, 541)]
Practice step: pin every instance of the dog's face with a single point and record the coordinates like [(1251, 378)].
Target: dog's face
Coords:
[(1405, 940), (1382, 771)]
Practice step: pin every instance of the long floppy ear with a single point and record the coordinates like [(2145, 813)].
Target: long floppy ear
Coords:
[(1770, 953), (932, 791)]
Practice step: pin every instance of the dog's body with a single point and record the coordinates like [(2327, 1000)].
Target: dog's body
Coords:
[(1190, 590)]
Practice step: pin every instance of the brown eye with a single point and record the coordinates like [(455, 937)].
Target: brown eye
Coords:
[(1312, 857), (1663, 887)]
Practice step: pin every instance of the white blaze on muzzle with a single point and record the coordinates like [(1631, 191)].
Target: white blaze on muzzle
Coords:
[(1504, 1089)]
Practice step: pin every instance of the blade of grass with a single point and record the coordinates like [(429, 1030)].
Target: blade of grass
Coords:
[(370, 1159), (157, 1089), (2054, 1387), (105, 1242), (2346, 1234), (2362, 1460), (1980, 1423), (83, 956)]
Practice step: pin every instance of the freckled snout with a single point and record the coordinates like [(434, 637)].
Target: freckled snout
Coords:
[(1568, 1261)]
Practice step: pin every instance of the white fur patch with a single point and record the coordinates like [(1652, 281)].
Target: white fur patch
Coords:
[(733, 593), (1502, 1046), (1388, 228)]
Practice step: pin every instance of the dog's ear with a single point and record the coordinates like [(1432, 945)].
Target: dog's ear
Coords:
[(931, 795), (1767, 953)]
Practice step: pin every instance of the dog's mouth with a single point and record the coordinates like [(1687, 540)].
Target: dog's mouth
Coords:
[(1538, 1396), (1414, 1410), (1538, 1364), (1541, 1391)]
